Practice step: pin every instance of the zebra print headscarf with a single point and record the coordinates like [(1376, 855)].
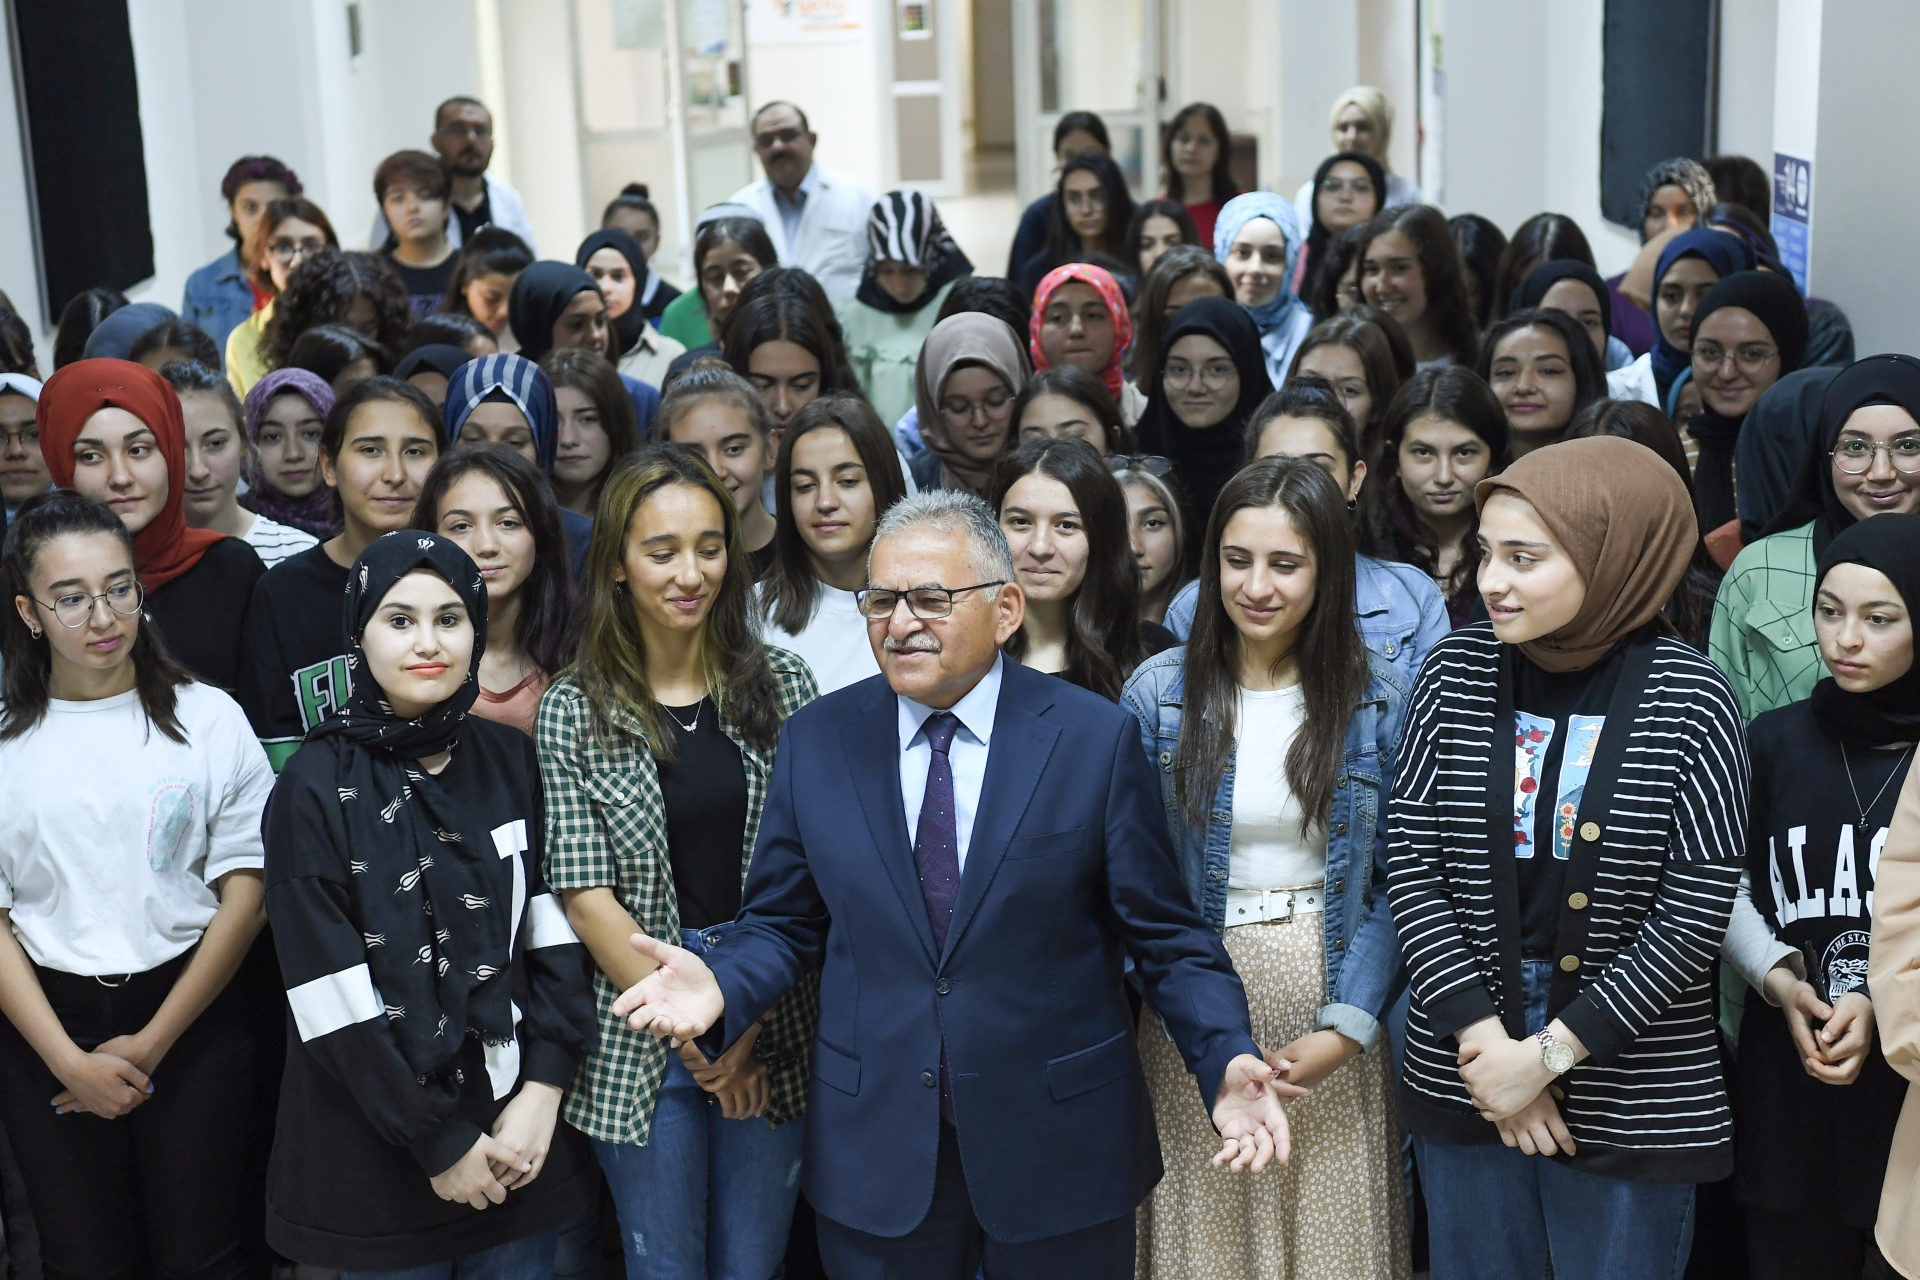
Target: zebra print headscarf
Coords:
[(443, 943), (905, 227)]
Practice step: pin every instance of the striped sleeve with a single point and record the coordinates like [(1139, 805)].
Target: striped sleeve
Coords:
[(1449, 720)]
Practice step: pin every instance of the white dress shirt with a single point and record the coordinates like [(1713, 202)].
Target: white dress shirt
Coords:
[(967, 755), (829, 237)]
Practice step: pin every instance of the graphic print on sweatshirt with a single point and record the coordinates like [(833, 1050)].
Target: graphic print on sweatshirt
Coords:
[(1817, 883), (1532, 746), (171, 805), (320, 690)]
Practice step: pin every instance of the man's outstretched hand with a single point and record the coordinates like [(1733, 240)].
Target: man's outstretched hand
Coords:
[(1248, 1114), (679, 1000)]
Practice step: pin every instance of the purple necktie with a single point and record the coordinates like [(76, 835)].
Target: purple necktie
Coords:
[(936, 845), (936, 856)]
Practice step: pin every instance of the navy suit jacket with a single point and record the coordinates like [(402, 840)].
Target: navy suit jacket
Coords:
[(1070, 872)]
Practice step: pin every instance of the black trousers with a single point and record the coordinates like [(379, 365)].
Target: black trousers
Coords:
[(949, 1243), (1785, 1246), (158, 1191)]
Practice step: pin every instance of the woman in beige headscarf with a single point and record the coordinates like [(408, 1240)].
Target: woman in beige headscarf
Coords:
[(970, 369), (1565, 840), (1362, 120)]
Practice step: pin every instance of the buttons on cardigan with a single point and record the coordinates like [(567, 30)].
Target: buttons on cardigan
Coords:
[(1590, 831), (928, 1079), (1578, 901), (1570, 963), (1559, 1094), (943, 986)]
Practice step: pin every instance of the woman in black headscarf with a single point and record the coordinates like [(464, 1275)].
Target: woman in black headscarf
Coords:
[(1779, 430), (1864, 462), (1815, 1102), (1750, 329), (618, 265), (1575, 289), (556, 305), (441, 1001), (1338, 204), (1212, 375)]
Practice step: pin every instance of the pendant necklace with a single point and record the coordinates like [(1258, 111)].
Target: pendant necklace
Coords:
[(1861, 825), (689, 728)]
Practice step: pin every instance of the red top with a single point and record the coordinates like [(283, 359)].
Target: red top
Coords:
[(1203, 216)]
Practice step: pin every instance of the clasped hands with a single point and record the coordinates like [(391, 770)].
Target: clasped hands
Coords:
[(1834, 1053), (1508, 1081), (680, 1001)]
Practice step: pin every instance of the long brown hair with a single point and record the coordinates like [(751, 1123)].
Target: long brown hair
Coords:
[(791, 590), (29, 660), (1103, 640), (1333, 662), (1442, 272), (612, 667)]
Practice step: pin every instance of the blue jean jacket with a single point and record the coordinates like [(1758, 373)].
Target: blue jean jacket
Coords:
[(1364, 969), (1401, 614), (218, 299)]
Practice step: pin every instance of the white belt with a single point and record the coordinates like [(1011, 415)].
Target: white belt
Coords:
[(1258, 906)]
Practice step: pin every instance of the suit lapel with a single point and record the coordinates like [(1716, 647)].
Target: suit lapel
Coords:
[(1022, 743), (872, 743)]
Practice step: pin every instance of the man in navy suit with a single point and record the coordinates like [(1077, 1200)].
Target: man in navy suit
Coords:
[(968, 852)]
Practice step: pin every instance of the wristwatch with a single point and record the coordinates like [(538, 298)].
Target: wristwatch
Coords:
[(1556, 1057)]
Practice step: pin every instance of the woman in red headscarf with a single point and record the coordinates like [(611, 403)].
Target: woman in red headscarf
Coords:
[(1080, 318), (112, 430)]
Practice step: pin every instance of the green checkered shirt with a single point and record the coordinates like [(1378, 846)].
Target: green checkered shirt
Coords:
[(1762, 634), (607, 826)]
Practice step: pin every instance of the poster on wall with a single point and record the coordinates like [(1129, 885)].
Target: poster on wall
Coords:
[(1792, 213), (805, 21)]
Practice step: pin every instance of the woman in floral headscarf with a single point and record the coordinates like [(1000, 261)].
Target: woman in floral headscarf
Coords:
[(1080, 318)]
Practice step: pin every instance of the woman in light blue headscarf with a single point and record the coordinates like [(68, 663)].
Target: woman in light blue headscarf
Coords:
[(1257, 238)]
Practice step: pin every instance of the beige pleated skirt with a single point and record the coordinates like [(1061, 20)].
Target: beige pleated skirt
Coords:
[(1337, 1210)]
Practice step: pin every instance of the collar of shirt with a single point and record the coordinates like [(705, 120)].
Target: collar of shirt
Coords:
[(967, 755), (791, 210)]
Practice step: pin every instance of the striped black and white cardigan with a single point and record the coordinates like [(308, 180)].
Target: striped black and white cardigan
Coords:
[(1647, 900)]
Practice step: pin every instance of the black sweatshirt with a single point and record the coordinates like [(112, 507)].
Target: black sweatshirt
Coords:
[(359, 1136), (1804, 1146), (201, 613), (293, 665)]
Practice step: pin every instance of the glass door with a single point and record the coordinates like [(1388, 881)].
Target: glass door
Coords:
[(1101, 56)]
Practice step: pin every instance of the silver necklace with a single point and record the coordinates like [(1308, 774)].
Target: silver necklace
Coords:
[(689, 728), (1866, 809)]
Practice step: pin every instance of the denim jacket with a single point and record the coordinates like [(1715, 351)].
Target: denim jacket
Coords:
[(1401, 614), (1364, 968), (218, 298)]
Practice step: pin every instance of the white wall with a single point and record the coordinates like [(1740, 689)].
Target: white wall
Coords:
[(1746, 81), (1866, 171)]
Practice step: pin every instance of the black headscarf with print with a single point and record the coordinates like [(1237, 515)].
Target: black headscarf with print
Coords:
[(1891, 713), (629, 324), (1884, 379), (1774, 301), (444, 947), (1779, 430), (1206, 458)]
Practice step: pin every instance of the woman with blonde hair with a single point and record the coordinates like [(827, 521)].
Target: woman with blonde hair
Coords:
[(1362, 121)]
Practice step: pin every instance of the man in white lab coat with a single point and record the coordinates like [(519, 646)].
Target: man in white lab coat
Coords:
[(816, 216), (463, 137)]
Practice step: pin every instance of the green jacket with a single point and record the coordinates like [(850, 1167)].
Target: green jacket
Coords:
[(884, 347), (1762, 634), (607, 826)]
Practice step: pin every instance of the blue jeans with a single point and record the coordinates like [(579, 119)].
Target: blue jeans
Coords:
[(528, 1259), (706, 1198), (1493, 1211)]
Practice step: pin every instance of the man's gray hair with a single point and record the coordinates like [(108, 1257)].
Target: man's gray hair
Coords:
[(955, 511)]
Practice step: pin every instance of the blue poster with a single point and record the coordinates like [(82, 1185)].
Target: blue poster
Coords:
[(1792, 213)]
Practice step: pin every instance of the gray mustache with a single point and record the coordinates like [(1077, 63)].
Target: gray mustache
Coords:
[(918, 642)]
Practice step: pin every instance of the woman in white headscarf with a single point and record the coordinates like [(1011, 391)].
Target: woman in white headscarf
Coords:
[(1362, 120)]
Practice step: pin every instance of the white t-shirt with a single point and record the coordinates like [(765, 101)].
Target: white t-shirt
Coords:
[(112, 833), (275, 541), (834, 643), (1269, 850)]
